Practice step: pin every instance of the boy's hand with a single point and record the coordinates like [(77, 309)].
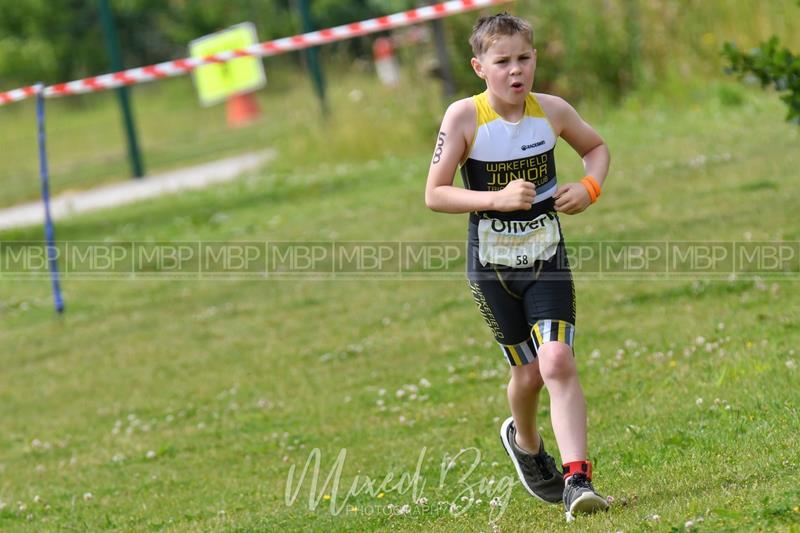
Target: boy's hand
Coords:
[(572, 198), (518, 195)]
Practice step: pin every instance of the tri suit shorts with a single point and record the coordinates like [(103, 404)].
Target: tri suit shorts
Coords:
[(524, 307)]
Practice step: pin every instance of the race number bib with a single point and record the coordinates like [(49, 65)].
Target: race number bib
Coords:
[(518, 243)]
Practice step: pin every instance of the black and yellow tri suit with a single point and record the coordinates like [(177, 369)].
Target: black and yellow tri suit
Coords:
[(517, 264)]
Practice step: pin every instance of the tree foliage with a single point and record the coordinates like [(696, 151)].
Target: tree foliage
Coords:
[(772, 65)]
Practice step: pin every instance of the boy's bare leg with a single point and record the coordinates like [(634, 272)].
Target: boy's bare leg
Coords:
[(523, 398), (567, 404)]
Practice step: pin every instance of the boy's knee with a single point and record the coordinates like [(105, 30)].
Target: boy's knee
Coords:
[(556, 361)]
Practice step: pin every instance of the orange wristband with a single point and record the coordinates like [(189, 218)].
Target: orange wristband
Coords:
[(592, 187)]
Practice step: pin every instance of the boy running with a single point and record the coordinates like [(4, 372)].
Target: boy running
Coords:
[(503, 140)]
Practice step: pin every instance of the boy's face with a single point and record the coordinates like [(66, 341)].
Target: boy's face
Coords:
[(507, 66)]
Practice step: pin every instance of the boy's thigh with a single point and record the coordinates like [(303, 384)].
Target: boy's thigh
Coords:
[(550, 308), (503, 311), (551, 297)]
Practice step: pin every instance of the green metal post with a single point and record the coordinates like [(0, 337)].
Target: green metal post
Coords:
[(112, 43), (312, 56), (442, 56)]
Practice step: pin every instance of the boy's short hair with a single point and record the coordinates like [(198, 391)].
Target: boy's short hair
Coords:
[(488, 29)]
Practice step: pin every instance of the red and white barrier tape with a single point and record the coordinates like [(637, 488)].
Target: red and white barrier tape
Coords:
[(268, 48)]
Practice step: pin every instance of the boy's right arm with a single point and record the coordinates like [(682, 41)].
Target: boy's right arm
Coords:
[(455, 133)]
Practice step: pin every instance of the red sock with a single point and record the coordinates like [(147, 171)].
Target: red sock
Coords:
[(573, 467)]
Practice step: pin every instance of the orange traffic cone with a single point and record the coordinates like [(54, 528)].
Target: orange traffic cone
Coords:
[(385, 63), (242, 109)]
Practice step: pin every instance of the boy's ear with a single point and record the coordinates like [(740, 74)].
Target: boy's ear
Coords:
[(477, 67)]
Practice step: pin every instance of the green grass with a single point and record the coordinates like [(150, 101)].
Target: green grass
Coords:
[(229, 383), (86, 146)]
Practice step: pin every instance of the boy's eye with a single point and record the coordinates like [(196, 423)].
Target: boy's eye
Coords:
[(502, 61)]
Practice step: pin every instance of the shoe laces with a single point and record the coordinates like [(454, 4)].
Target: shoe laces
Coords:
[(580, 481), (537, 465), (532, 466), (546, 464)]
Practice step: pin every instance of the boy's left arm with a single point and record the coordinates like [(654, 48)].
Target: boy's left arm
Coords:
[(573, 198)]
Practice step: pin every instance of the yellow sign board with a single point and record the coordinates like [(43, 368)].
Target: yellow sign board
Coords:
[(219, 81)]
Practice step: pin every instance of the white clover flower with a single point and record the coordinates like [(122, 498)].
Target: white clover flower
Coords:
[(87, 496), (495, 502), (698, 401), (654, 518), (404, 509), (422, 500), (355, 95), (150, 454), (424, 383)]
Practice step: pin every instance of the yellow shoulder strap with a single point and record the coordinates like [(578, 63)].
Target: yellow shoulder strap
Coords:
[(485, 112), (532, 107)]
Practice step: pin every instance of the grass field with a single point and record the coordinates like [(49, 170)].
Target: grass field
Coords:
[(86, 144), (181, 405)]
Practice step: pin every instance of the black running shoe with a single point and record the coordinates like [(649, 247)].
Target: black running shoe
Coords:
[(581, 498), (538, 473)]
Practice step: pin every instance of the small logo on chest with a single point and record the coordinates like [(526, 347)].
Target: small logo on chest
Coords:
[(531, 146)]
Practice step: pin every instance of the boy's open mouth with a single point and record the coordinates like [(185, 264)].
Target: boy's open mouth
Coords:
[(517, 84)]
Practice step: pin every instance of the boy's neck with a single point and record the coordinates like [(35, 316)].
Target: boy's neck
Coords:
[(507, 111)]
